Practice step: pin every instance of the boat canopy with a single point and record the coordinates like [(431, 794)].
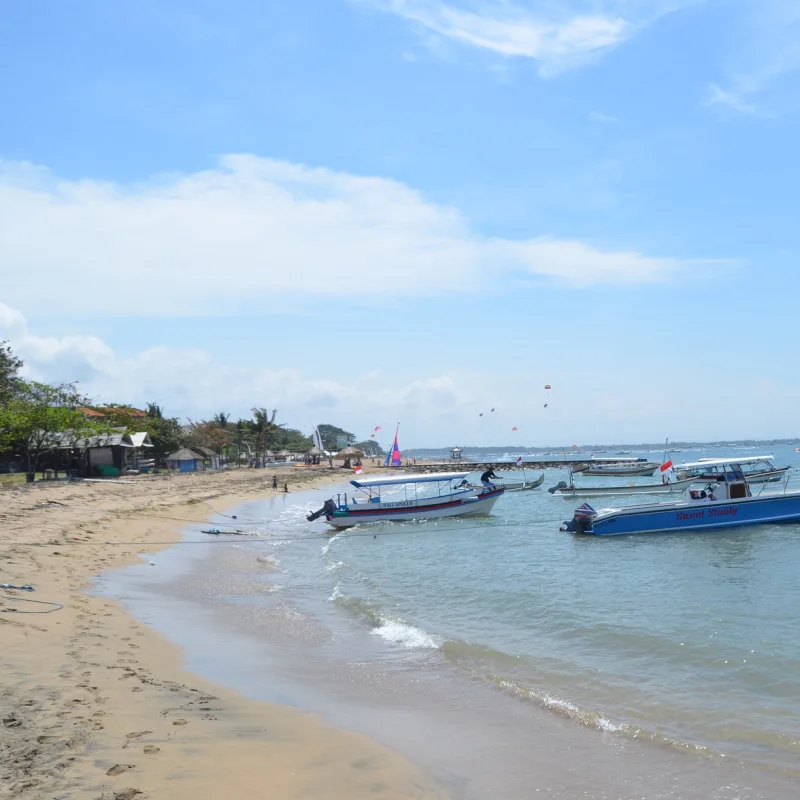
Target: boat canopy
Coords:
[(618, 459), (722, 462), (432, 477)]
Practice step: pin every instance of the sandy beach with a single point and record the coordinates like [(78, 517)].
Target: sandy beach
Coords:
[(95, 705)]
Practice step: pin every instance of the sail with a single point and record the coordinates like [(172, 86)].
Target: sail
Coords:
[(396, 461), (317, 439)]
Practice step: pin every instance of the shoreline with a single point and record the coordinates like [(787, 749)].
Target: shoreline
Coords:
[(93, 701)]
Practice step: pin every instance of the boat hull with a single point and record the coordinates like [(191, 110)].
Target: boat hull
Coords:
[(644, 471), (709, 516), (464, 506), (677, 487)]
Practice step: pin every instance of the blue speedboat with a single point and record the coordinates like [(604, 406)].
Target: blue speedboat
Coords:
[(728, 502)]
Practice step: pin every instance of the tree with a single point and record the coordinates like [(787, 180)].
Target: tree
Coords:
[(333, 437), (370, 447), (221, 420), (10, 365), (209, 435), (264, 429), (31, 421)]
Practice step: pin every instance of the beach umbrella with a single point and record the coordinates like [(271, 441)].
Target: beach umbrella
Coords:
[(315, 451)]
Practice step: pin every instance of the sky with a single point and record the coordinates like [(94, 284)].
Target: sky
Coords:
[(365, 212)]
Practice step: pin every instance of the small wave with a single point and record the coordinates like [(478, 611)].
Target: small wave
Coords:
[(406, 635), (336, 593), (567, 709), (335, 565)]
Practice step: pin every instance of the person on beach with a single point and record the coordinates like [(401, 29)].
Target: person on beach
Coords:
[(275, 482), (286, 488), (486, 478)]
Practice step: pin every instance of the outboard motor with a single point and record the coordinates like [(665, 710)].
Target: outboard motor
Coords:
[(326, 510), (581, 521), (559, 485)]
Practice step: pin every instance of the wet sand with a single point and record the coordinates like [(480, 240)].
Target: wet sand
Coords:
[(94, 704)]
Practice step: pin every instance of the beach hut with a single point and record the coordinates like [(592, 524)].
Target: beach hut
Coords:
[(185, 460), (349, 453)]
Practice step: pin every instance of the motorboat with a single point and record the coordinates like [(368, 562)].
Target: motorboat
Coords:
[(727, 502), (563, 489), (757, 469), (425, 496), (620, 466)]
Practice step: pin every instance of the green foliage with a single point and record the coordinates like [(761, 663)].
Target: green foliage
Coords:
[(9, 369), (330, 434), (370, 447), (35, 415)]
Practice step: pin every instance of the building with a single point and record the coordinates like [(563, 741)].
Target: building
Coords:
[(185, 460)]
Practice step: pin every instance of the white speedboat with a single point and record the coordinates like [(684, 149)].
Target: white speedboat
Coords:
[(427, 496)]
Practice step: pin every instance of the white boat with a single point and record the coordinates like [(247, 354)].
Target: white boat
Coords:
[(570, 490), (620, 466), (426, 496), (756, 469), (724, 504)]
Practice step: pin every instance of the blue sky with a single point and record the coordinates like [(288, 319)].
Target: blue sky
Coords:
[(364, 211)]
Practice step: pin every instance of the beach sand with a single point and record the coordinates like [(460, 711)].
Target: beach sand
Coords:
[(95, 705)]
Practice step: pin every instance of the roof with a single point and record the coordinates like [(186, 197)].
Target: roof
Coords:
[(92, 412), (103, 411), (184, 454), (719, 462), (67, 441), (141, 439), (433, 477), (206, 451)]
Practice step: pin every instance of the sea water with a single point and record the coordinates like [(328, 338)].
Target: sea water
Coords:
[(686, 641)]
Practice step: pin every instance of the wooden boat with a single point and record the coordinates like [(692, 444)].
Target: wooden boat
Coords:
[(723, 504), (620, 466), (570, 490), (522, 486), (453, 497)]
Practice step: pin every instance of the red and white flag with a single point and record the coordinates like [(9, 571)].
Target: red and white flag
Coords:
[(519, 461), (666, 465), (358, 470)]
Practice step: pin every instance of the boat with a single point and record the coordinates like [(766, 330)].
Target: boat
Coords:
[(761, 469), (620, 466), (522, 486), (453, 497), (726, 503), (563, 489)]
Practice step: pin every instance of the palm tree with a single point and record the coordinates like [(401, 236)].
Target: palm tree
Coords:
[(264, 428), (221, 420)]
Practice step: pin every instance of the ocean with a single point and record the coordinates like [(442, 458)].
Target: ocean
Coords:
[(665, 665)]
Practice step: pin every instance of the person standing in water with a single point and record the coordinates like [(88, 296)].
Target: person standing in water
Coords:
[(275, 482)]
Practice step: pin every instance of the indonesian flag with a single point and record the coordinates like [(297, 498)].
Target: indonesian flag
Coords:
[(519, 461), (666, 465), (358, 470)]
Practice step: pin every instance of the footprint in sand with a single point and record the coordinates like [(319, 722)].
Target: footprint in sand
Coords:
[(180, 722), (151, 749), (137, 734), (118, 769)]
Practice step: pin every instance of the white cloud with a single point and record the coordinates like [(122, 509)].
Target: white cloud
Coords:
[(435, 408), (606, 119), (559, 35), (253, 230), (763, 59)]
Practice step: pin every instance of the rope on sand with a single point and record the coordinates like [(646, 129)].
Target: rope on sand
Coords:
[(56, 606)]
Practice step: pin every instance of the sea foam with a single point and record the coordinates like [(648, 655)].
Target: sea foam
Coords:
[(406, 635)]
